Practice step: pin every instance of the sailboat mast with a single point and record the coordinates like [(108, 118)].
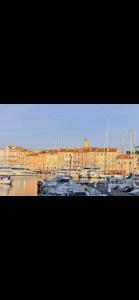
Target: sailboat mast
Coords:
[(122, 150), (107, 141), (58, 153), (134, 150), (131, 149)]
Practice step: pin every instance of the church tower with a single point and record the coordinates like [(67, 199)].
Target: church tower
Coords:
[(86, 144)]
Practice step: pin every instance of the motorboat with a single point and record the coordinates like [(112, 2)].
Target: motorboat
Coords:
[(128, 189), (136, 180), (68, 172), (94, 192), (22, 171), (5, 171), (96, 173), (65, 186), (84, 173), (135, 185), (16, 171), (5, 180), (126, 182)]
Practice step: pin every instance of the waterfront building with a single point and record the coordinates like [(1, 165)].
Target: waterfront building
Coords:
[(3, 156), (127, 163), (31, 161), (110, 160), (15, 154), (47, 160), (105, 158)]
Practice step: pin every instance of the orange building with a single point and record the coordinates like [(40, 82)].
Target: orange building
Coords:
[(2, 155), (127, 163), (110, 160), (15, 154), (31, 161)]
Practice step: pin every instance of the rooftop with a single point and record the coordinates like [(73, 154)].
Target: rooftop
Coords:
[(124, 156)]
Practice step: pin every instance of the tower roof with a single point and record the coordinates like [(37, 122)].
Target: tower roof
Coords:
[(86, 144)]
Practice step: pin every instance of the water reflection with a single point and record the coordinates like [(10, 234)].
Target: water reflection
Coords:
[(27, 186), (21, 186)]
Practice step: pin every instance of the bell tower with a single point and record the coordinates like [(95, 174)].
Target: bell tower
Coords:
[(86, 144)]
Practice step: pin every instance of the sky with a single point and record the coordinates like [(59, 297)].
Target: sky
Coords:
[(47, 125)]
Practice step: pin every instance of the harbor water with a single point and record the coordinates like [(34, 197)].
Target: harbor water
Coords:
[(21, 186), (25, 186)]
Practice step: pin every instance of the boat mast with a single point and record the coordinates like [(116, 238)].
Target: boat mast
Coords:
[(134, 151), (107, 142), (58, 153), (70, 164), (131, 149), (122, 150)]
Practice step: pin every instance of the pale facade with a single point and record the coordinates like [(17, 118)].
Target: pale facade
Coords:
[(127, 163), (31, 161), (106, 159), (109, 160), (15, 155), (3, 156)]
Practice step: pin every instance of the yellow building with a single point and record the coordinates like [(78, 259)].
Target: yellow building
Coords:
[(109, 160), (31, 161), (127, 163), (15, 154), (3, 157), (105, 158)]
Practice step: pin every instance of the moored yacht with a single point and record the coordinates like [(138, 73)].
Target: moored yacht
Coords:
[(96, 173), (15, 171), (5, 180), (65, 186), (84, 172), (5, 171), (22, 171)]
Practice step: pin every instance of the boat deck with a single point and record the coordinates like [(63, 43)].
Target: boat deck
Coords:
[(113, 192)]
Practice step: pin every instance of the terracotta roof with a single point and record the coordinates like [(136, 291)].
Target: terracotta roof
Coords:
[(125, 156), (51, 151), (103, 150), (77, 150), (42, 153), (32, 154), (16, 147), (71, 150)]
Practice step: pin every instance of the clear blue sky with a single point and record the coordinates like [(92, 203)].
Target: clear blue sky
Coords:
[(37, 126)]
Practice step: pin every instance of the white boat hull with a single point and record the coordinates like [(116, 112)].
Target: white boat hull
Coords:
[(6, 181)]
